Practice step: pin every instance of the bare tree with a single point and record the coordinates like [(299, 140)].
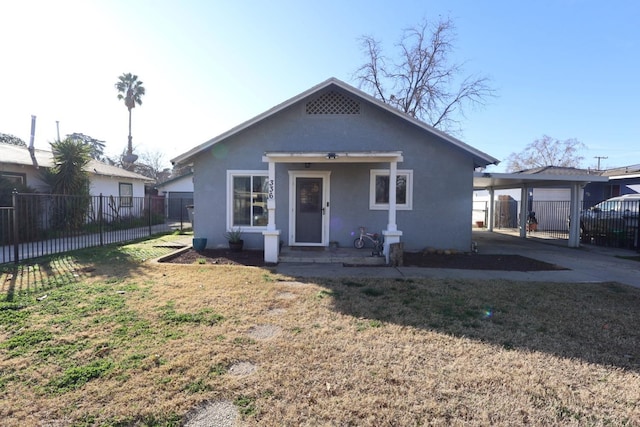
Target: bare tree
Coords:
[(422, 82), (547, 151), (151, 164)]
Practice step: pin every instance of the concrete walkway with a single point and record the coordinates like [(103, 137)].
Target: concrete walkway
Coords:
[(586, 264)]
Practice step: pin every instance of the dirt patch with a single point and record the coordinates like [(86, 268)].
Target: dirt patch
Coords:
[(477, 262), (264, 332), (464, 261), (222, 413), (220, 257), (242, 368)]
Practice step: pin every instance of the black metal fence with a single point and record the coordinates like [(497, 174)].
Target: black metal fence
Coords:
[(614, 226), (44, 224)]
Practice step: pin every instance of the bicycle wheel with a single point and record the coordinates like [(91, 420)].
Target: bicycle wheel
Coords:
[(358, 243)]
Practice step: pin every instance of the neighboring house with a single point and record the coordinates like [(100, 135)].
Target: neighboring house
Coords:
[(624, 180), (178, 193), (24, 165), (313, 169)]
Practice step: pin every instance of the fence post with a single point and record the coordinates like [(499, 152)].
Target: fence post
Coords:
[(16, 228), (182, 208), (149, 209), (100, 220)]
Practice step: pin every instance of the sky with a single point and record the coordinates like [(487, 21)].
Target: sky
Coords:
[(563, 68)]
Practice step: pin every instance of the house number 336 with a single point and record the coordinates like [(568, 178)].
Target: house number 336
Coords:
[(271, 188)]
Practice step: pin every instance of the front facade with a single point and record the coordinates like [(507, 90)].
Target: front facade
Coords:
[(314, 169)]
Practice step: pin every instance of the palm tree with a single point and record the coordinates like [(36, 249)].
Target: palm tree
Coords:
[(131, 90), (70, 183)]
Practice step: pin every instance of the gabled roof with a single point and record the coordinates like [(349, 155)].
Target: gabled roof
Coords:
[(18, 155), (174, 179), (98, 168), (480, 158)]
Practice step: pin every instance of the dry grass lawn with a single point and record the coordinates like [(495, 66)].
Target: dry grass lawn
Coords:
[(102, 338)]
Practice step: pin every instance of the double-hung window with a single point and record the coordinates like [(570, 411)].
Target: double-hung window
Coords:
[(379, 189), (126, 194), (247, 199)]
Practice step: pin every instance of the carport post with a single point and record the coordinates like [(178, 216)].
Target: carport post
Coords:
[(492, 205), (524, 203), (574, 226)]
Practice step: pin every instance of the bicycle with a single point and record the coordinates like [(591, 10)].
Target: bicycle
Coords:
[(374, 238)]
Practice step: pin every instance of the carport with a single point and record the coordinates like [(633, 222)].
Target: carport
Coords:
[(506, 181)]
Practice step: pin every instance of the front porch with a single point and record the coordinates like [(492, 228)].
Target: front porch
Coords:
[(328, 255), (309, 218)]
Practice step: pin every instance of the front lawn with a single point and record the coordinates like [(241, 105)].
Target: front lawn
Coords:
[(105, 337)]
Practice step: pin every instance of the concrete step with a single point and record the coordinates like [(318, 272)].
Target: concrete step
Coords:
[(315, 254)]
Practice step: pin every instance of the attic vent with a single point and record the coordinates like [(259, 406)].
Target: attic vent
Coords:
[(333, 103)]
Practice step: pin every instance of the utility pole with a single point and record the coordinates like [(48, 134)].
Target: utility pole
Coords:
[(600, 158)]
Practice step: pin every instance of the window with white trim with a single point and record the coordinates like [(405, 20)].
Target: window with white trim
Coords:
[(379, 189), (126, 194), (247, 199), (14, 178)]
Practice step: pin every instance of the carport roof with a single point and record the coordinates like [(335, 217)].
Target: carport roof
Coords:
[(486, 180)]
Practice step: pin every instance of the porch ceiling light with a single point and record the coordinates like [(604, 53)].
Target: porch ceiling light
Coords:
[(331, 156)]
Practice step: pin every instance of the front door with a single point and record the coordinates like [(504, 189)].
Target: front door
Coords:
[(309, 224)]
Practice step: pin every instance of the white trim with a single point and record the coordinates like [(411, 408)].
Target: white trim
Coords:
[(372, 190), (333, 157), (231, 173), (325, 175)]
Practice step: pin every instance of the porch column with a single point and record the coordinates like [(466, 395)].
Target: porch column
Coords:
[(391, 234), (491, 208), (574, 212), (393, 178), (271, 235), (524, 203)]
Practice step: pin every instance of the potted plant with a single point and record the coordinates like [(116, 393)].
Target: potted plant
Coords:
[(234, 236)]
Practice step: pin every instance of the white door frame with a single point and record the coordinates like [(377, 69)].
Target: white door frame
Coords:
[(325, 175)]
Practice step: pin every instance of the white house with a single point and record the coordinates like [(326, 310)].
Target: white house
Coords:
[(177, 193), (24, 165)]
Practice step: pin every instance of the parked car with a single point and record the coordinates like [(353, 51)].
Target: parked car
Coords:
[(614, 219)]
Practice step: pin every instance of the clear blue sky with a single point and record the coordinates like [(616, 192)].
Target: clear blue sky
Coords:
[(565, 68)]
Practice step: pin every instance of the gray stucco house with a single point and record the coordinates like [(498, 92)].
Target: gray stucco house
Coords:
[(313, 169)]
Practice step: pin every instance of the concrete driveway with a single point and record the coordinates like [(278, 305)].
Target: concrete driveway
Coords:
[(586, 264)]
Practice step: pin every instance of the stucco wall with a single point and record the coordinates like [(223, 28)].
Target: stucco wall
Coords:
[(32, 175), (442, 176), (109, 186), (179, 185)]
